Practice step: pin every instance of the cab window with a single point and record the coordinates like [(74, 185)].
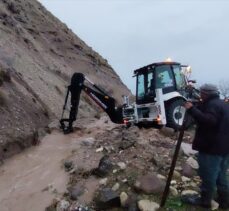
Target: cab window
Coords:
[(141, 89), (179, 76), (164, 77)]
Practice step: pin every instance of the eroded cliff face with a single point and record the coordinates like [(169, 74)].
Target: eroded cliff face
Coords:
[(38, 55)]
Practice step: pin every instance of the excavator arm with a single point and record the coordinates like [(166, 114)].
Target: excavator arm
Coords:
[(102, 99)]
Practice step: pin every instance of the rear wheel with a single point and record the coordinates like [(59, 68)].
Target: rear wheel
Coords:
[(175, 112)]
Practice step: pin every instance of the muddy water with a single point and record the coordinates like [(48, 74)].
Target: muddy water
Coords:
[(25, 177)]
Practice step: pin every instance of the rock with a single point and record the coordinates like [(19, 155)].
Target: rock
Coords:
[(131, 203), (68, 165), (62, 205), (185, 179), (121, 165), (103, 181), (214, 205), (80, 208), (188, 192), (124, 180), (159, 161), (107, 199), (173, 182), (109, 149), (115, 171), (100, 149), (54, 125), (73, 171), (126, 143), (187, 149), (104, 168), (115, 187), (197, 179), (193, 184), (88, 142), (150, 184), (178, 168), (76, 191), (188, 171), (161, 177), (173, 191), (193, 163), (168, 132), (176, 175), (123, 199), (146, 205)]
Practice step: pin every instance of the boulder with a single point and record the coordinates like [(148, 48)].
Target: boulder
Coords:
[(146, 205), (188, 192), (187, 149), (88, 142), (214, 205), (104, 168), (150, 184), (185, 179), (126, 143), (76, 191), (193, 163), (68, 165), (121, 165), (115, 187), (176, 175), (107, 199), (173, 191), (123, 199), (103, 181), (188, 171)]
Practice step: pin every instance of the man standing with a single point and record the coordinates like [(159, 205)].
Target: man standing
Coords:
[(212, 142)]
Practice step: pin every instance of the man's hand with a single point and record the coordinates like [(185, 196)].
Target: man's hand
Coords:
[(188, 105)]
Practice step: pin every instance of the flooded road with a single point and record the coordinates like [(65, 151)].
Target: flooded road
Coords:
[(31, 180), (26, 179)]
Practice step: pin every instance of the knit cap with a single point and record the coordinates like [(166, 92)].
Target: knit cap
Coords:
[(209, 89)]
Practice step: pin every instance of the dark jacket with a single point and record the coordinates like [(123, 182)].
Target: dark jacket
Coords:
[(212, 133)]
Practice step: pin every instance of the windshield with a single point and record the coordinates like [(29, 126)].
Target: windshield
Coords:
[(164, 77)]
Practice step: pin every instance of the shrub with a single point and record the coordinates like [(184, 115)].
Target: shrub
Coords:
[(2, 99), (4, 76)]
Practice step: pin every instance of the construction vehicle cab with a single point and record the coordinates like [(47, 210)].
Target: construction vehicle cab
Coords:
[(165, 76), (161, 90)]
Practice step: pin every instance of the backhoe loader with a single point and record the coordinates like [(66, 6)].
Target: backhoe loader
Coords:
[(161, 90)]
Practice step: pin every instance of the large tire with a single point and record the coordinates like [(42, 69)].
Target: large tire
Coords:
[(175, 111)]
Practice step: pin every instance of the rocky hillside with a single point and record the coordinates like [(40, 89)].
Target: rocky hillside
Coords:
[(38, 55)]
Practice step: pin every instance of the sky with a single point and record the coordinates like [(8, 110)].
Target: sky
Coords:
[(135, 33)]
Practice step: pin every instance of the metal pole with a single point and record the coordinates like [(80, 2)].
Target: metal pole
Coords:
[(173, 165)]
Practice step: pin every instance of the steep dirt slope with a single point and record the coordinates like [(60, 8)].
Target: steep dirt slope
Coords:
[(38, 55)]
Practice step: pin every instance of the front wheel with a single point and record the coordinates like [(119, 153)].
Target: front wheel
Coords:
[(175, 112)]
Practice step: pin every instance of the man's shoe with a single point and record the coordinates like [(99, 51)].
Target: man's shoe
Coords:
[(196, 200), (223, 199)]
